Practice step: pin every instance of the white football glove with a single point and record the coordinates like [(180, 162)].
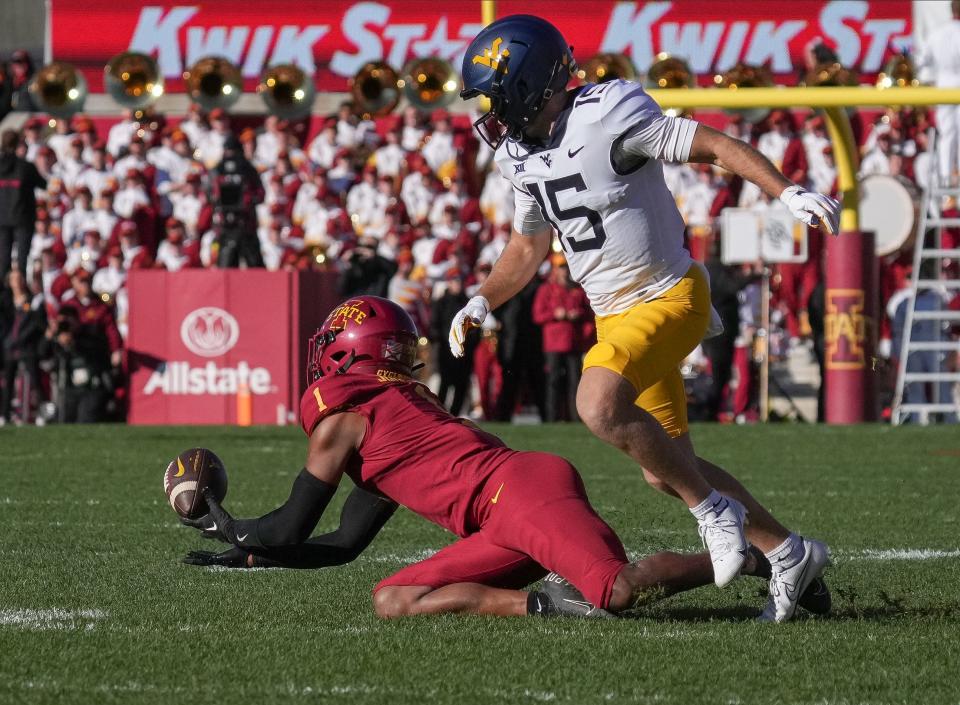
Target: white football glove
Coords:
[(812, 208), (470, 316)]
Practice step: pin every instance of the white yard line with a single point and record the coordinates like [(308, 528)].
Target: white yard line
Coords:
[(898, 554), (863, 554), (416, 557), (50, 619)]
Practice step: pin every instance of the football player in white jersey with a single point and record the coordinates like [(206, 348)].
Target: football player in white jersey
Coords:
[(586, 162)]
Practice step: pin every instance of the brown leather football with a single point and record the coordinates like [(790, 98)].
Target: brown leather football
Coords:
[(187, 476)]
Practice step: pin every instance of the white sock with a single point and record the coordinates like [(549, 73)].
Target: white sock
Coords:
[(710, 504), (787, 554)]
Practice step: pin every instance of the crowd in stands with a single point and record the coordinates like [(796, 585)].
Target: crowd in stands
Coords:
[(409, 207)]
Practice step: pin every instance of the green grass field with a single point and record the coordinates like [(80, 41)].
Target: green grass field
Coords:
[(95, 605)]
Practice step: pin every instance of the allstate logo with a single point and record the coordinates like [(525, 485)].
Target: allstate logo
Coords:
[(209, 331)]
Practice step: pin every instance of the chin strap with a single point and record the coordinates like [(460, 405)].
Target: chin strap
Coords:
[(342, 370)]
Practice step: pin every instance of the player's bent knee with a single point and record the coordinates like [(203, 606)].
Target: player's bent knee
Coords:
[(392, 602), (598, 413)]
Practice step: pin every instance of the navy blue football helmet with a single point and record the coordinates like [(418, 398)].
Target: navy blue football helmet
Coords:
[(518, 62)]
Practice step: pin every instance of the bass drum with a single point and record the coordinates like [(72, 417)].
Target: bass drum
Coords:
[(889, 207)]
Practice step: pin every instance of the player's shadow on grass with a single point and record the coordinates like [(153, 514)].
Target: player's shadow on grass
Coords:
[(689, 613)]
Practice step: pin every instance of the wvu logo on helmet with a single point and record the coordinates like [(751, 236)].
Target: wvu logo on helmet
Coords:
[(491, 57)]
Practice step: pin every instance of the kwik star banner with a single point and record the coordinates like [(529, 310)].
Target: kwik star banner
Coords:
[(332, 39)]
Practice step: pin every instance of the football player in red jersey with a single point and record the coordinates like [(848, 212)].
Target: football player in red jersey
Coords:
[(517, 513)]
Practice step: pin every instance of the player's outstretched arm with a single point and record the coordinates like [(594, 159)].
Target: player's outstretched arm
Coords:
[(331, 444), (712, 147), (361, 519), (363, 515), (517, 265)]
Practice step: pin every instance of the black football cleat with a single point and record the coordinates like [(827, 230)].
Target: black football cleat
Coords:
[(566, 600), (815, 599)]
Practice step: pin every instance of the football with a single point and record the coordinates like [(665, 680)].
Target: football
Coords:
[(188, 475)]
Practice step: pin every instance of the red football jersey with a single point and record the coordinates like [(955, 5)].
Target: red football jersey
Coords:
[(414, 451)]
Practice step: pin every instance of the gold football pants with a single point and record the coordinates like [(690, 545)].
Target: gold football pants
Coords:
[(646, 344)]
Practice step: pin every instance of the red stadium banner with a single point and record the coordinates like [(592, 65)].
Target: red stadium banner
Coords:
[(336, 37), (200, 337)]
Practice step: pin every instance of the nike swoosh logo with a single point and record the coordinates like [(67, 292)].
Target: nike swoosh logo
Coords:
[(496, 497), (574, 152), (241, 538), (586, 605), (213, 527), (180, 468)]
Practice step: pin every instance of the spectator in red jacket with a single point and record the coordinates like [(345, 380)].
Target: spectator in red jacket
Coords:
[(559, 306), (94, 315)]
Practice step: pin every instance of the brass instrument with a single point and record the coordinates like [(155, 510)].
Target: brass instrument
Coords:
[(374, 90), (59, 89), (287, 91), (133, 80), (429, 83), (830, 73), (213, 82), (604, 67), (898, 72), (669, 71), (746, 76)]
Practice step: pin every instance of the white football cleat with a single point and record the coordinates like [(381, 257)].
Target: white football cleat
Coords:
[(722, 535), (786, 586)]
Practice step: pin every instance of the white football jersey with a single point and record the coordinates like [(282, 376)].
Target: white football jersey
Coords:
[(621, 233)]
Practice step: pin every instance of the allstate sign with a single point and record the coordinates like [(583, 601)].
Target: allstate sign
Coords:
[(200, 339)]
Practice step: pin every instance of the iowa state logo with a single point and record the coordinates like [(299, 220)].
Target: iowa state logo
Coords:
[(845, 329), (347, 311)]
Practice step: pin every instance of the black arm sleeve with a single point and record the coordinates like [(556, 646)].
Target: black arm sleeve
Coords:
[(363, 515), (293, 521)]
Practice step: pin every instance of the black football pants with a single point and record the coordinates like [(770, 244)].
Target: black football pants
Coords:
[(563, 377), (239, 244), (9, 234)]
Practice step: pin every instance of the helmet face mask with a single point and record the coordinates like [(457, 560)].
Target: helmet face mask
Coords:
[(492, 129), (315, 353)]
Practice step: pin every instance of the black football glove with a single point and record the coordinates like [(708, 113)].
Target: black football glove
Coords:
[(231, 558), (216, 524), (205, 525)]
